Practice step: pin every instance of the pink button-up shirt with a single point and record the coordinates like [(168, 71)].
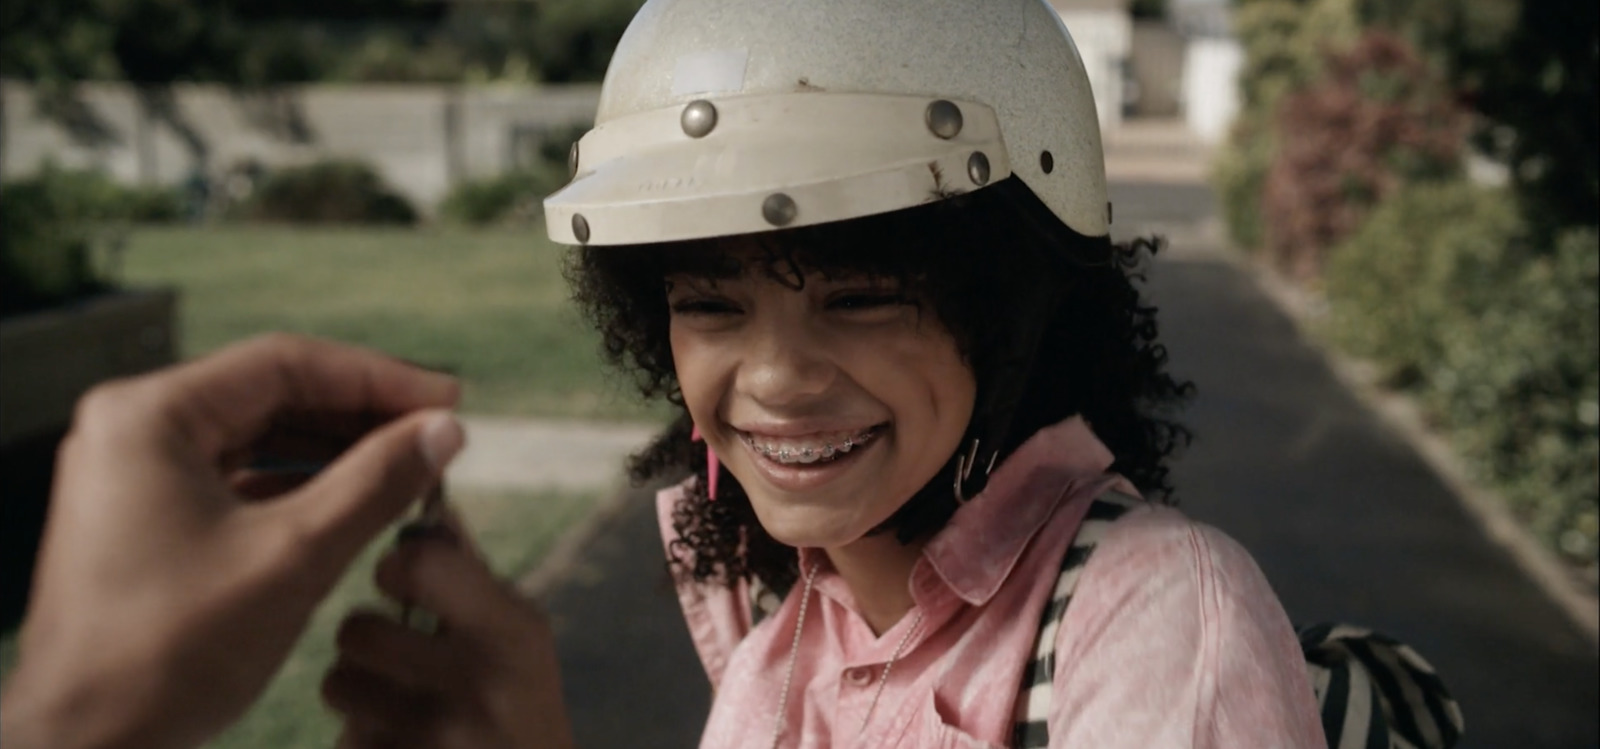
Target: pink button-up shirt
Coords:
[(1173, 638)]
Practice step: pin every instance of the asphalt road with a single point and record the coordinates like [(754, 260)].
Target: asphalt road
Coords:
[(1351, 525), (1346, 520), (631, 677)]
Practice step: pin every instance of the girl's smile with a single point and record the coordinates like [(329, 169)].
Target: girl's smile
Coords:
[(807, 459)]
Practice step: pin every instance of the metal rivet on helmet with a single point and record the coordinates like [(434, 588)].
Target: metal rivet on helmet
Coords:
[(779, 209), (944, 119), (1047, 162), (580, 228), (572, 160), (698, 119), (978, 168)]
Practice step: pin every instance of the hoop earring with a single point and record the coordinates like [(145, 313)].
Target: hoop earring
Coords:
[(964, 466)]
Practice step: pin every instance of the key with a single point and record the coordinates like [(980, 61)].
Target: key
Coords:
[(429, 523)]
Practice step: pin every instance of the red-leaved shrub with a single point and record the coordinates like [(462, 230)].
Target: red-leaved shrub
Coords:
[(1376, 118)]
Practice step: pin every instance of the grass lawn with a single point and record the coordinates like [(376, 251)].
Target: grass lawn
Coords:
[(514, 529), (489, 304)]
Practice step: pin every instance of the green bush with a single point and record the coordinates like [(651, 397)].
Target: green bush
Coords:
[(44, 260), (1499, 339), (1424, 256), (151, 205), (48, 226), (1282, 45), (514, 196), (326, 192), (1520, 378), (86, 195), (1239, 173)]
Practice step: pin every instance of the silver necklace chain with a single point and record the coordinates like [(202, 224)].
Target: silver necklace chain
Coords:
[(794, 652), (883, 678)]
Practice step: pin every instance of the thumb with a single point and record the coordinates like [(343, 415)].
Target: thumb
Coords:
[(375, 481)]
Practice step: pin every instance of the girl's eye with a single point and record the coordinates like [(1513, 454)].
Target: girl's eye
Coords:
[(855, 300), (704, 306)]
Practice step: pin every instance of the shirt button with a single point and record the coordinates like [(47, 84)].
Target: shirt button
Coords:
[(859, 676)]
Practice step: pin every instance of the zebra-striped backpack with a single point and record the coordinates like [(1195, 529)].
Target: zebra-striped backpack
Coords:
[(1373, 692)]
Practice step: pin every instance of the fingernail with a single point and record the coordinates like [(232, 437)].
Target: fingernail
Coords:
[(441, 439)]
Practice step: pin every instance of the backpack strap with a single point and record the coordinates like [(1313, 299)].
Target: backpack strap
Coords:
[(1031, 730), (1375, 692)]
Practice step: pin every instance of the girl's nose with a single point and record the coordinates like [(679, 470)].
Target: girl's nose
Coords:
[(784, 366)]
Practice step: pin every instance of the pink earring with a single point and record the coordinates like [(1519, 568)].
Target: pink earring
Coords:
[(711, 464)]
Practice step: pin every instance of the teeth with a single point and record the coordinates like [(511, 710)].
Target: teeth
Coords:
[(810, 452)]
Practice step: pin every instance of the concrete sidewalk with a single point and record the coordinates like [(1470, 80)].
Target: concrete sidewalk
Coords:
[(507, 453)]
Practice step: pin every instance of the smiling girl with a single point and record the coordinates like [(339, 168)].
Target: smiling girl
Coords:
[(854, 382), (863, 247), (909, 360)]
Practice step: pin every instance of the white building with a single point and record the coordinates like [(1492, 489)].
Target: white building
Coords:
[(1212, 60), (1193, 54), (1103, 31)]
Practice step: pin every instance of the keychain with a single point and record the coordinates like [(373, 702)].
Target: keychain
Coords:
[(429, 522), (340, 431)]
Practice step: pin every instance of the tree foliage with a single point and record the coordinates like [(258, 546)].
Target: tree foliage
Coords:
[(263, 42), (1152, 9), (165, 41), (573, 39), (1529, 67)]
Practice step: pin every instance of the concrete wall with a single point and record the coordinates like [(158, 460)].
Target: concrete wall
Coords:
[(1211, 85), (423, 139), (1158, 52), (1105, 40)]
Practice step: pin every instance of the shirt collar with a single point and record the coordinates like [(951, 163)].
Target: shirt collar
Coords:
[(975, 552)]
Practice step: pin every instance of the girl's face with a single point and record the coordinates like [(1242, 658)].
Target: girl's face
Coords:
[(832, 404)]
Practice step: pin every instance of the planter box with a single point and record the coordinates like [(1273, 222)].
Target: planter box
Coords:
[(52, 357)]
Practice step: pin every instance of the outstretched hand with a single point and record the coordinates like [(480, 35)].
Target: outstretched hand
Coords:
[(486, 679), (172, 580)]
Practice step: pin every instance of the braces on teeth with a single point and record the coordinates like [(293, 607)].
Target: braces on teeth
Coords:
[(827, 451)]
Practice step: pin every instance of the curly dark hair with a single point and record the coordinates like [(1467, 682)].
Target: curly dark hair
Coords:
[(1049, 320)]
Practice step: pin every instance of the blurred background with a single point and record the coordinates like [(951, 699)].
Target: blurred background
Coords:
[(1401, 195)]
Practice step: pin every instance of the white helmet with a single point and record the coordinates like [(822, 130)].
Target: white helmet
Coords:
[(722, 117)]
